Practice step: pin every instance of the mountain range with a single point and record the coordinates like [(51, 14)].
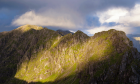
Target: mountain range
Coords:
[(35, 55)]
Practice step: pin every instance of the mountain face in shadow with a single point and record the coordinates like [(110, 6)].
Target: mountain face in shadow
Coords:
[(36, 55), (135, 38)]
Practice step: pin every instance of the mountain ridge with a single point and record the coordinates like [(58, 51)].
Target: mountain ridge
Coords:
[(64, 32), (45, 56)]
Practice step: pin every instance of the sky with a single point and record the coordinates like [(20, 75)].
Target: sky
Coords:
[(89, 16)]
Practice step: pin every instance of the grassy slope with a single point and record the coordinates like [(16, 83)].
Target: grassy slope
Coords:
[(68, 56), (53, 62)]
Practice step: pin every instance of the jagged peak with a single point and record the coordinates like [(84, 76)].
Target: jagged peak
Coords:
[(110, 32), (79, 32), (117, 38)]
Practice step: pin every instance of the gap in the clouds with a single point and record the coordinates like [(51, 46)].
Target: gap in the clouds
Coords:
[(93, 21), (136, 30), (110, 24)]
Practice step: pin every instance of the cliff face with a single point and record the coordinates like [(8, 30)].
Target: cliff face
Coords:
[(40, 55)]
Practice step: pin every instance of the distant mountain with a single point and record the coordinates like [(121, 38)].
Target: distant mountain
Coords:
[(64, 32), (36, 55), (133, 35), (136, 40)]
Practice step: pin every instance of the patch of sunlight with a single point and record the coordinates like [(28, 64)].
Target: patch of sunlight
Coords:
[(30, 69), (70, 71), (27, 27), (55, 42), (70, 59)]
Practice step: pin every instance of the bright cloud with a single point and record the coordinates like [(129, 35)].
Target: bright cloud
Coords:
[(121, 15), (132, 18), (68, 18), (105, 28), (111, 15), (126, 19), (59, 18)]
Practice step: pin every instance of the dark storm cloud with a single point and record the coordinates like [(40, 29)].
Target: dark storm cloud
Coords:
[(99, 5), (21, 4), (83, 6)]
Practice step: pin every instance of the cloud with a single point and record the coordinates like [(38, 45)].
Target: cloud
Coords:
[(92, 31), (82, 5), (67, 14), (121, 15), (132, 18), (119, 19), (114, 18), (58, 18), (111, 15)]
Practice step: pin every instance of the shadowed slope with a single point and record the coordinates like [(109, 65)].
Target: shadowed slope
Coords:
[(64, 32)]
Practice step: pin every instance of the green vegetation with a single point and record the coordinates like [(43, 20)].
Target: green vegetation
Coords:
[(26, 28), (71, 53), (47, 57)]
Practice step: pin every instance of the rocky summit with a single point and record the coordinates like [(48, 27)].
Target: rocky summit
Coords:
[(36, 55)]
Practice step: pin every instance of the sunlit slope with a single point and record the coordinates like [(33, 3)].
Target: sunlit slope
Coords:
[(27, 27), (44, 56), (18, 44), (60, 60)]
